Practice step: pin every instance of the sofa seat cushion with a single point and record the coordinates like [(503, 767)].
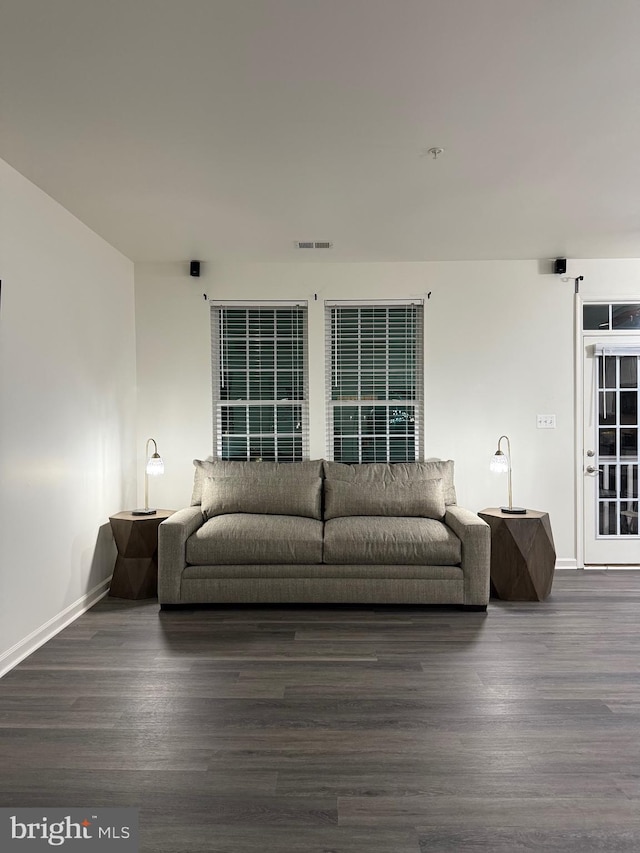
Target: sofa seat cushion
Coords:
[(391, 541), (240, 538)]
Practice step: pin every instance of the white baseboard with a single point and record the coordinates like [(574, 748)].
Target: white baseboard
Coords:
[(626, 568), (41, 635), (566, 563)]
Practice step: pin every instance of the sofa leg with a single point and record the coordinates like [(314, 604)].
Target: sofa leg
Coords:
[(475, 608)]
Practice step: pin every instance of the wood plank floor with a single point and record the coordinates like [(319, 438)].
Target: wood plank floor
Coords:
[(343, 730)]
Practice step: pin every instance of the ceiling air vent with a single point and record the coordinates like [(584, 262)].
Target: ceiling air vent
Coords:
[(318, 244)]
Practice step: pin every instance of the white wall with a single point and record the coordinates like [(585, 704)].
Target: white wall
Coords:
[(67, 416), (499, 350)]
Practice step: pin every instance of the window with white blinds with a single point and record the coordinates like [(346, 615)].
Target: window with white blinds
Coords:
[(374, 381), (259, 370)]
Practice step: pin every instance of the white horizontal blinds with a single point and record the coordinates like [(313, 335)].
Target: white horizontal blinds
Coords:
[(374, 381), (259, 357), (617, 349), (618, 382)]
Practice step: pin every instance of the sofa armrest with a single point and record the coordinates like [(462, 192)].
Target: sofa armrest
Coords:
[(173, 533), (475, 535)]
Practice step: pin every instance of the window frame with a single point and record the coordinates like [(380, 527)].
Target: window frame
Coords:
[(257, 407), (410, 405)]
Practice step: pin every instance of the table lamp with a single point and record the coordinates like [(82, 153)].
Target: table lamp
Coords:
[(501, 463), (153, 468)]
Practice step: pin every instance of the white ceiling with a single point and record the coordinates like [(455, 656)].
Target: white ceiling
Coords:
[(231, 128)]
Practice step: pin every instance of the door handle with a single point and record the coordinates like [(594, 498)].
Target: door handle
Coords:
[(592, 470)]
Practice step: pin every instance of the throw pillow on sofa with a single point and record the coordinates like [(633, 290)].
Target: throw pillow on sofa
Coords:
[(422, 498), (285, 471), (373, 473), (262, 495)]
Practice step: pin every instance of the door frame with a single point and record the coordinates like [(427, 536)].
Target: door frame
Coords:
[(578, 422), (579, 409)]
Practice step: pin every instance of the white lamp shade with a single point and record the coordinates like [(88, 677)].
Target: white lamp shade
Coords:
[(499, 463), (155, 466)]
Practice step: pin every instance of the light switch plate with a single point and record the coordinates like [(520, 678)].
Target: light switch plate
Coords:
[(546, 421)]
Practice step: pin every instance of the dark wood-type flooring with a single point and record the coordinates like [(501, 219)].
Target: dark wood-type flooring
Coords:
[(343, 730)]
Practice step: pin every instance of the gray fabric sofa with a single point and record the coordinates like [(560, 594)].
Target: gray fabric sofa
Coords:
[(324, 532)]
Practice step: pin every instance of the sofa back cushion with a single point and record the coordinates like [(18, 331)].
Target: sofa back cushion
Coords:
[(264, 495), (283, 471), (374, 473), (422, 498)]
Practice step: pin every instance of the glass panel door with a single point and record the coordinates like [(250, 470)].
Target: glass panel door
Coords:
[(612, 394)]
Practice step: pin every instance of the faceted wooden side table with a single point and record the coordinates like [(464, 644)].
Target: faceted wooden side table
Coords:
[(523, 556), (136, 571)]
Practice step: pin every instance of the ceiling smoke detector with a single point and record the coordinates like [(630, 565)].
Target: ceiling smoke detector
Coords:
[(313, 244)]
